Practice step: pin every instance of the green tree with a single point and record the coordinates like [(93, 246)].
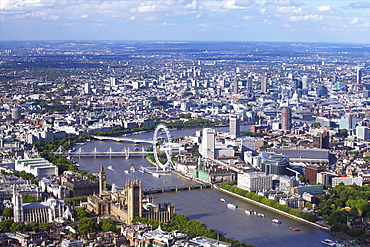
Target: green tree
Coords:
[(5, 225), (81, 213), (86, 226), (8, 212), (315, 125), (108, 225)]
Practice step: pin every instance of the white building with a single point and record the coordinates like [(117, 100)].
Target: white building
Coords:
[(362, 133), (254, 181), (207, 148), (39, 167), (347, 181)]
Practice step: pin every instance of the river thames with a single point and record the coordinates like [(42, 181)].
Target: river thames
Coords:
[(203, 205)]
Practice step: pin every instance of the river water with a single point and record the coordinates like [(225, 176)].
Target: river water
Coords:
[(203, 205)]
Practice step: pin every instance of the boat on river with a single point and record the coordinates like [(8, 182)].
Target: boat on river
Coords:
[(249, 211), (110, 167), (231, 205), (276, 221), (132, 169), (329, 242), (260, 215), (221, 200), (156, 175), (126, 171), (295, 229)]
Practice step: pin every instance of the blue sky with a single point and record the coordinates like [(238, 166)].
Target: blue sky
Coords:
[(202, 20)]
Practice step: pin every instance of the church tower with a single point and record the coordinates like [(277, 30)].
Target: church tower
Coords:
[(18, 205), (102, 181), (134, 199)]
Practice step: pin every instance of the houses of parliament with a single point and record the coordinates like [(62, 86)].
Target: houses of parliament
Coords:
[(128, 203)]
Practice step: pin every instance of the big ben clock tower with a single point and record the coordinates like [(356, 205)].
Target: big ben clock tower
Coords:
[(102, 181)]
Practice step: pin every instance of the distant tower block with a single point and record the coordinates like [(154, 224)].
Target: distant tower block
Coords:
[(264, 85), (16, 114), (286, 118), (112, 81), (304, 82), (234, 126), (359, 78), (235, 86), (87, 88)]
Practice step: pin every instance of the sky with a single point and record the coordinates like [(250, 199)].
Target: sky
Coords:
[(334, 21)]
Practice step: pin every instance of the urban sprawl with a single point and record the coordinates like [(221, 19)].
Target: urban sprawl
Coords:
[(298, 123)]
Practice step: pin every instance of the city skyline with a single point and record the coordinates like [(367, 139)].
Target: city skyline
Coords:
[(227, 20)]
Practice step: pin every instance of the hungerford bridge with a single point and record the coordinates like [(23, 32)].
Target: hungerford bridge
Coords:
[(125, 152)]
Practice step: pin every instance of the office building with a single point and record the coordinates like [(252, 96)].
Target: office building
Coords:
[(286, 118), (359, 78), (272, 163), (362, 133), (264, 84), (321, 141), (234, 125), (348, 122), (87, 88), (304, 82), (207, 149), (235, 86), (311, 172), (112, 81), (347, 181), (254, 181)]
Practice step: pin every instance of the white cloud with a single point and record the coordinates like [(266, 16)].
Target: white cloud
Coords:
[(98, 24), (84, 16), (289, 10), (36, 14), (358, 5), (144, 8), (51, 17), (168, 24), (203, 25), (132, 18), (230, 4), (192, 5), (284, 3), (324, 8), (354, 21), (149, 18), (306, 18)]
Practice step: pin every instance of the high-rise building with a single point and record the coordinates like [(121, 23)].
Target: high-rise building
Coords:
[(322, 140), (348, 122), (112, 81), (234, 125), (362, 133), (87, 88), (207, 149), (304, 82), (358, 77), (286, 118), (249, 84), (235, 86), (264, 85)]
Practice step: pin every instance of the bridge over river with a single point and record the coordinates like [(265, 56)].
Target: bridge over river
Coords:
[(176, 188), (122, 139)]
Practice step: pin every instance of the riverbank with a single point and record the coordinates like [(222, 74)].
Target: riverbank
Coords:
[(273, 209)]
